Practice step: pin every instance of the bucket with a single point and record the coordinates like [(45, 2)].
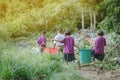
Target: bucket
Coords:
[(85, 56), (51, 50)]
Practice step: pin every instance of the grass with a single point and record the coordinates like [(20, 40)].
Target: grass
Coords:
[(19, 63), (27, 66), (67, 76), (23, 64)]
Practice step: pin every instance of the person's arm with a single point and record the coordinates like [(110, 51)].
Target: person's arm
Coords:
[(57, 40), (75, 44), (95, 43), (62, 41), (54, 45), (90, 40), (44, 42), (105, 42), (54, 42), (38, 41)]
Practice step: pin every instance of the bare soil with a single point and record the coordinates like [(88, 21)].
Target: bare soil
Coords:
[(92, 73)]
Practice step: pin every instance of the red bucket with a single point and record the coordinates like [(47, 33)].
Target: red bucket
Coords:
[(51, 50)]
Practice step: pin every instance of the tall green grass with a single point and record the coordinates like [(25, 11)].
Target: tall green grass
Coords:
[(27, 66), (20, 63)]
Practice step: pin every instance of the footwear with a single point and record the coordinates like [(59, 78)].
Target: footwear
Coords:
[(101, 67), (75, 61), (93, 59)]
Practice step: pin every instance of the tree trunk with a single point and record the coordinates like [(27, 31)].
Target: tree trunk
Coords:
[(91, 20), (94, 15), (82, 18)]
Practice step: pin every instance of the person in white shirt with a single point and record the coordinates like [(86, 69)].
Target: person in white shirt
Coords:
[(59, 45)]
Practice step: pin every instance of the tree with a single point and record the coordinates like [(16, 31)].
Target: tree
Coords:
[(110, 15)]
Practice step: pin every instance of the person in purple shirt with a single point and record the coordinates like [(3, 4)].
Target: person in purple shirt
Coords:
[(69, 44), (42, 41), (98, 50)]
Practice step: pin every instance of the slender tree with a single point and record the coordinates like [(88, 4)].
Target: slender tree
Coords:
[(83, 18)]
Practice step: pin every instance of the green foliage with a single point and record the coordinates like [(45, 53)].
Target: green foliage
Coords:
[(110, 15), (111, 65), (84, 44), (21, 64), (114, 38), (112, 52), (23, 17), (4, 32), (112, 48)]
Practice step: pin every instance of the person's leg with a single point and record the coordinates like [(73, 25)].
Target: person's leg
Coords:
[(72, 58), (42, 49), (66, 62), (60, 50), (61, 53), (100, 57), (101, 61), (101, 65), (100, 68), (77, 63), (54, 44), (66, 58), (93, 58)]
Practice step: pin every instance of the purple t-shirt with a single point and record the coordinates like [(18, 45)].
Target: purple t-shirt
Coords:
[(68, 42), (100, 43), (42, 41)]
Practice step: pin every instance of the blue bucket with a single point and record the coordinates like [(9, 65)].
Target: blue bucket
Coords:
[(85, 56)]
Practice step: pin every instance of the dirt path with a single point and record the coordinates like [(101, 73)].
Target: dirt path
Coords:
[(91, 73)]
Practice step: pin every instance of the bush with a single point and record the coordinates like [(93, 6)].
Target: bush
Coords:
[(4, 33), (23, 65)]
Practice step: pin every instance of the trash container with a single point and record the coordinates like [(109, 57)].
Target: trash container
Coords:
[(85, 56)]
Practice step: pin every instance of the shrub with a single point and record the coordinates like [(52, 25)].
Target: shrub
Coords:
[(23, 65)]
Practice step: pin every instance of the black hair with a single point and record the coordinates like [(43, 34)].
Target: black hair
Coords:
[(100, 33), (60, 30), (43, 32), (68, 32)]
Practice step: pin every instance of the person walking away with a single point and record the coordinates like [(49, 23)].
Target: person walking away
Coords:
[(69, 44), (98, 50), (42, 41), (59, 45)]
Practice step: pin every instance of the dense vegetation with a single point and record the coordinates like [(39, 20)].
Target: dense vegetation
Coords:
[(20, 61), (22, 20), (21, 17), (109, 15)]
